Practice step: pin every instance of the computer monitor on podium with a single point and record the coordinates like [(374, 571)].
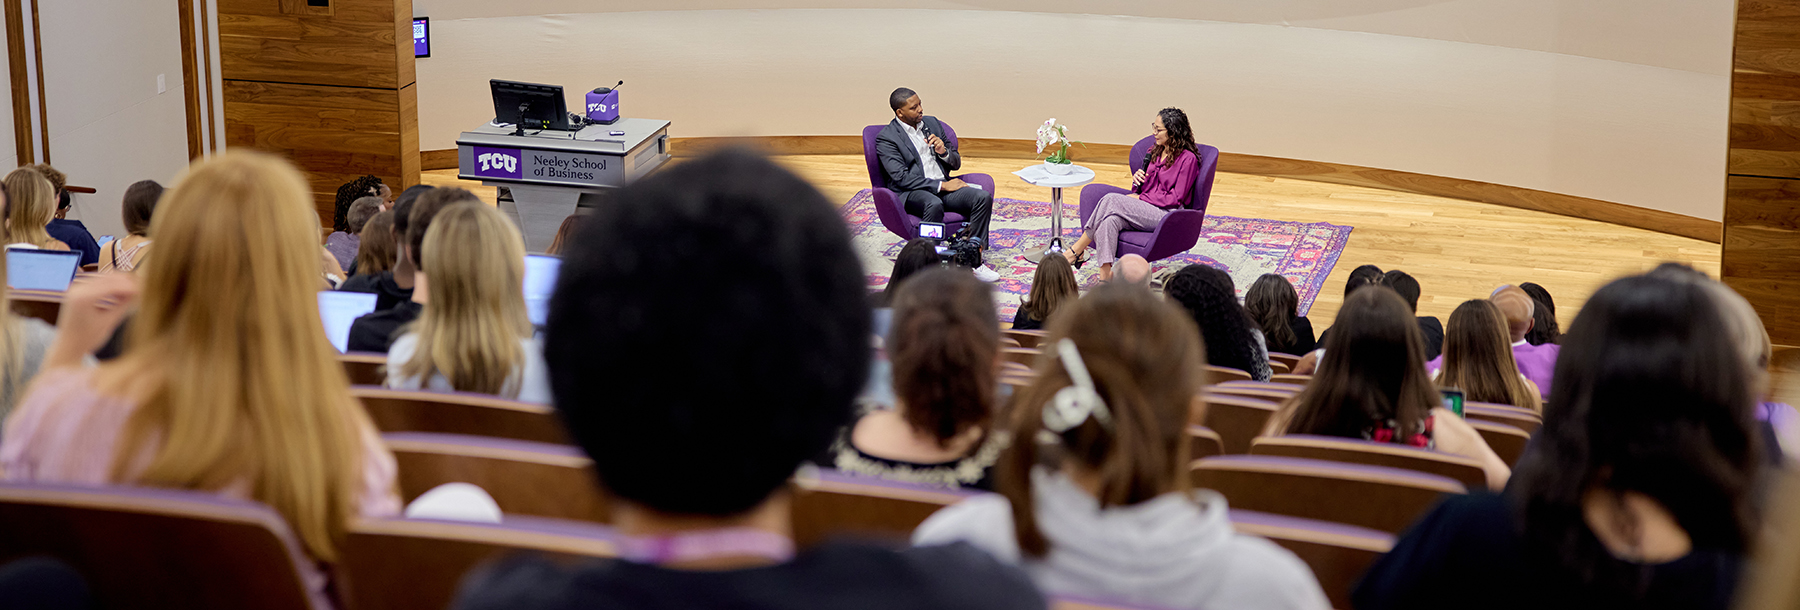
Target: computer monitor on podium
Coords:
[(529, 106)]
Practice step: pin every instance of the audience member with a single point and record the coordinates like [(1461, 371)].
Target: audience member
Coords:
[(564, 232), (1107, 512), (1275, 306), (1052, 287), (916, 256), (1536, 362), (1165, 183), (945, 351), (473, 336), (365, 186), (1544, 328), (344, 244), (1371, 384), (29, 206), (375, 251), (782, 366), (23, 342), (1133, 269), (228, 383), (1479, 360), (1365, 275), (1231, 339), (1778, 423), (1636, 493), (139, 206), (1430, 329), (375, 332), (394, 286), (70, 232), (917, 155)]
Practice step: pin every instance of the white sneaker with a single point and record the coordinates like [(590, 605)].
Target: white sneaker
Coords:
[(987, 274)]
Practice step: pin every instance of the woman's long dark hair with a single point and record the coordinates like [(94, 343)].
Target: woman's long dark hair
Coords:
[(1209, 297), (1052, 286), (1180, 138), (945, 342), (1651, 396), (1273, 304), (1145, 359), (917, 255), (1373, 371), (348, 194), (1543, 317)]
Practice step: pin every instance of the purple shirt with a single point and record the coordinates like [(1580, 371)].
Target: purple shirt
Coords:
[(343, 247), (1171, 185), (1535, 362)]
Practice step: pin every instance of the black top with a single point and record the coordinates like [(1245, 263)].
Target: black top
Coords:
[(1468, 553), (75, 234), (376, 332), (1023, 321), (1303, 338), (388, 293), (835, 576), (1433, 332), (973, 471)]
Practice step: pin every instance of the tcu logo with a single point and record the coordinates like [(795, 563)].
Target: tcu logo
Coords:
[(499, 161), (596, 108)]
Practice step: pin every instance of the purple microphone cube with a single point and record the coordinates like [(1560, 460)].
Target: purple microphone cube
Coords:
[(603, 105)]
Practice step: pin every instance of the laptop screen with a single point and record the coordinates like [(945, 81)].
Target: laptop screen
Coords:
[(338, 310), (51, 270), (540, 281)]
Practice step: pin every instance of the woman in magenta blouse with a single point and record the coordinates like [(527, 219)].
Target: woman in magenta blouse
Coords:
[(1166, 183)]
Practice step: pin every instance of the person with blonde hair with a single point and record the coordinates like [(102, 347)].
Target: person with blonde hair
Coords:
[(1478, 358), (473, 334), (228, 383), (30, 204)]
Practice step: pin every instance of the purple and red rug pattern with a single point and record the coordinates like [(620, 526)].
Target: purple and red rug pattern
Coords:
[(1246, 248)]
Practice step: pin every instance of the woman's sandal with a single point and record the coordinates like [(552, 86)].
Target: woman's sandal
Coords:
[(1082, 259)]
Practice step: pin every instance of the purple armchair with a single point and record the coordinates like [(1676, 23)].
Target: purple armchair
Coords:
[(888, 204), (1178, 231)]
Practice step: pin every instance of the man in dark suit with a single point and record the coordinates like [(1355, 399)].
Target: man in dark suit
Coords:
[(918, 162)]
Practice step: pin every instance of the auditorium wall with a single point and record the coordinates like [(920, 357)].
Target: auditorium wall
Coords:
[(1619, 100)]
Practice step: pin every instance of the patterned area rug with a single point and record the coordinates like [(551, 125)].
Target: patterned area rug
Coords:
[(1244, 247)]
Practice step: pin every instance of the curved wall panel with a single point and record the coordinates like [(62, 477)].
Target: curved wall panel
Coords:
[(1607, 99)]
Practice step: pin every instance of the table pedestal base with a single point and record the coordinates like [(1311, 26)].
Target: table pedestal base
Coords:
[(1055, 246)]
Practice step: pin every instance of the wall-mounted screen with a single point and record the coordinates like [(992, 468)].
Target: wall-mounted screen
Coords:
[(421, 37)]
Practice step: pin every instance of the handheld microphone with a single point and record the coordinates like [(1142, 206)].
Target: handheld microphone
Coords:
[(1148, 155)]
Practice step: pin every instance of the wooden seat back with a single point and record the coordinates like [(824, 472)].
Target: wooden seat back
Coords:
[(1023, 355), (1220, 374), (1375, 497), (1523, 419), (1297, 380), (364, 368), (403, 564), (1026, 338), (39, 304), (1357, 451), (1288, 359), (1507, 441), (459, 413), (1273, 392), (830, 504), (1203, 443), (524, 477), (1236, 419), (1279, 367), (149, 548), (1338, 554)]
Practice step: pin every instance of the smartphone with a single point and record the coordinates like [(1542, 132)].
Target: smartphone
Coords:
[(103, 240), (931, 230), (1453, 400)]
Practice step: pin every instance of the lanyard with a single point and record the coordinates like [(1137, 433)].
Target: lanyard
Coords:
[(706, 544)]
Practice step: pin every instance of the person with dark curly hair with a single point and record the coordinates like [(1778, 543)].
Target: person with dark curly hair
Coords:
[(1232, 339), (1166, 183), (366, 186)]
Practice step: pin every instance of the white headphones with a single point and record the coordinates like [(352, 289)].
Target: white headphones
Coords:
[(1075, 404)]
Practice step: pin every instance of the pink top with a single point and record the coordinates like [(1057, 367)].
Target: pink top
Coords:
[(1171, 185), (65, 432)]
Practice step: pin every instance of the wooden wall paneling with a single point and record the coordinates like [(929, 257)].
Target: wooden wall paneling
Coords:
[(409, 138), (21, 94), (37, 58), (354, 46), (190, 79), (206, 54), (333, 133), (1760, 253)]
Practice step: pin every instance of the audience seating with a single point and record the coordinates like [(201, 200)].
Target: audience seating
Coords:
[(459, 413), (1014, 369), (364, 368), (1507, 441), (1218, 374), (1338, 554), (524, 477), (829, 504), (1523, 419), (1288, 359), (1283, 378), (1022, 355), (1237, 420), (40, 304), (1376, 497), (1026, 338), (1068, 602), (402, 564), (1178, 230), (1204, 443), (1274, 392), (1279, 367), (156, 548), (1357, 451), (888, 205), (1009, 343)]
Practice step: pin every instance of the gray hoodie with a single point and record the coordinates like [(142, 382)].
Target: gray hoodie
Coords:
[(1171, 551)]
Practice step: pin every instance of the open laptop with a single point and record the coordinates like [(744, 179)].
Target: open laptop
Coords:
[(51, 270), (338, 310), (540, 282)]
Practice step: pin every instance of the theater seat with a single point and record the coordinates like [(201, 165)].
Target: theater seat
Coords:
[(1176, 232), (829, 504), (1288, 359), (1203, 443), (1236, 419), (1507, 441), (1219, 374), (1289, 379), (524, 477), (364, 368), (888, 205), (153, 548), (39, 304), (1027, 356), (403, 564), (1524, 419), (1274, 392), (1357, 451), (1026, 338), (459, 413), (1338, 554), (1375, 497)]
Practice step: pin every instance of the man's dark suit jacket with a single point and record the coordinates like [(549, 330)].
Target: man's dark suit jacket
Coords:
[(900, 161)]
